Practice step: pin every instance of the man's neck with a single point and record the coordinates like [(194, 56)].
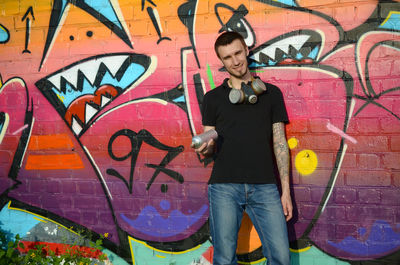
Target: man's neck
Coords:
[(236, 82)]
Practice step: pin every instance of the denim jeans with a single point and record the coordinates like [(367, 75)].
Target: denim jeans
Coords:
[(263, 205)]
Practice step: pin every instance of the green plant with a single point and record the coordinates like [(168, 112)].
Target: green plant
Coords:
[(9, 254), (14, 252)]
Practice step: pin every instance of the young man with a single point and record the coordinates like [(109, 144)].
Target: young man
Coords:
[(243, 178)]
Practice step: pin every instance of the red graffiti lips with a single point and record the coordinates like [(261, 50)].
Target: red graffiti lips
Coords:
[(84, 108)]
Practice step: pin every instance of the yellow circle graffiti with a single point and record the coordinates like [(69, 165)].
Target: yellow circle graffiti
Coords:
[(292, 143), (306, 162)]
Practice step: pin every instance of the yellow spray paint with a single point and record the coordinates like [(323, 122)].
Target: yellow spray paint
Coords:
[(306, 162)]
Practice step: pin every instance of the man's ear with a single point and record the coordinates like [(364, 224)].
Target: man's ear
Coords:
[(247, 51)]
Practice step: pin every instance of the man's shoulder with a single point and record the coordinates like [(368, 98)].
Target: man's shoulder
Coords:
[(215, 91)]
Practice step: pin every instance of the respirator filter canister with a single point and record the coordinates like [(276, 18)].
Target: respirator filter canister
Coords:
[(247, 93)]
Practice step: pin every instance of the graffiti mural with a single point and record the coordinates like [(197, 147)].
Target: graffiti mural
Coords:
[(99, 101)]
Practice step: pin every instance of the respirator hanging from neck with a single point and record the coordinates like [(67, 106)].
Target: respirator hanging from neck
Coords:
[(248, 92)]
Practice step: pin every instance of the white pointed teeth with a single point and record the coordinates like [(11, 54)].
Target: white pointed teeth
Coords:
[(90, 111), (104, 100), (296, 41), (89, 69), (76, 127)]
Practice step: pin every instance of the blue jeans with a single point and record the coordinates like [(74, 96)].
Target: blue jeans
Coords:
[(263, 205)]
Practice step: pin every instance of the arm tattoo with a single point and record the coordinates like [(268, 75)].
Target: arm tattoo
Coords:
[(281, 150)]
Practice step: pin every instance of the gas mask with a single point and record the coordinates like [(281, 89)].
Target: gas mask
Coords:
[(248, 92)]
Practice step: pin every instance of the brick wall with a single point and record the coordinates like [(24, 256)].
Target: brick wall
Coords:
[(99, 101)]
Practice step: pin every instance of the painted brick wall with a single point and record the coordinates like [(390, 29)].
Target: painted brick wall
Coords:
[(99, 101)]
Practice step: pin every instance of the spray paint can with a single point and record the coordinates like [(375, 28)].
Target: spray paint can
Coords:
[(199, 139)]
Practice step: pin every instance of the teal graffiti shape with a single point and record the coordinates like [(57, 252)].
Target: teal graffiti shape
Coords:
[(287, 2), (15, 222), (145, 254), (314, 256), (4, 34), (392, 21)]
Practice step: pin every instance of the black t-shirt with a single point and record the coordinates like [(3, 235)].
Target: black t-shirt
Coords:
[(244, 153)]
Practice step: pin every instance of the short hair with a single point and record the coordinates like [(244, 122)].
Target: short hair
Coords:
[(227, 38)]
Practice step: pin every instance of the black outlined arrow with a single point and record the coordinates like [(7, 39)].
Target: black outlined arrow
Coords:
[(28, 27), (153, 14)]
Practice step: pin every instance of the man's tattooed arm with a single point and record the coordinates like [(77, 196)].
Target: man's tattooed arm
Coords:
[(281, 151)]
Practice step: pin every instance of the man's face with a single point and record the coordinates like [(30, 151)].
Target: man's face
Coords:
[(234, 58)]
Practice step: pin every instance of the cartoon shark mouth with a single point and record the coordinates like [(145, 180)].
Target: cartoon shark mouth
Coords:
[(79, 91), (299, 47)]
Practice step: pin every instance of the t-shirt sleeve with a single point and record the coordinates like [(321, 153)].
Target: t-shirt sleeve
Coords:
[(279, 113), (208, 111)]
